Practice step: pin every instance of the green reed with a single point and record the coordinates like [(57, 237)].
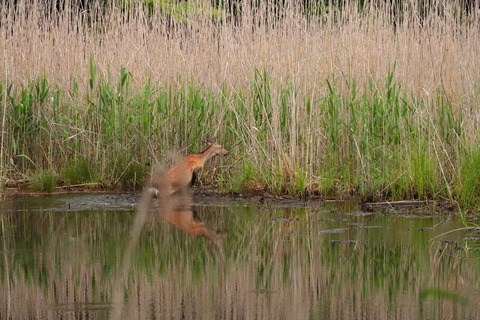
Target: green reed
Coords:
[(468, 185), (334, 138)]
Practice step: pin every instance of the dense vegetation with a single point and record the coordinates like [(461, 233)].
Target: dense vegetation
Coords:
[(337, 100)]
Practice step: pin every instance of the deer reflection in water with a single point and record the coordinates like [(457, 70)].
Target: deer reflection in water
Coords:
[(186, 219)]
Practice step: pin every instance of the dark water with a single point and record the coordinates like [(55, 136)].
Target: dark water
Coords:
[(61, 255)]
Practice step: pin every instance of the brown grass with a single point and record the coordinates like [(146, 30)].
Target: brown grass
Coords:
[(438, 51)]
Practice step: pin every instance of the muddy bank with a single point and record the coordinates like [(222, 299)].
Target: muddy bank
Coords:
[(84, 201)]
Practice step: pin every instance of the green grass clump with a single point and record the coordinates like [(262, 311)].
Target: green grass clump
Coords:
[(469, 180), (45, 181), (79, 171), (422, 173), (129, 175)]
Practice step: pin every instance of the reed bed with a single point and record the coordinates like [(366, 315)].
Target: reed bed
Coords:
[(333, 100)]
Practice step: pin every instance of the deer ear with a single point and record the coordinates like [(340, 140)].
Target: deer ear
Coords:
[(211, 141)]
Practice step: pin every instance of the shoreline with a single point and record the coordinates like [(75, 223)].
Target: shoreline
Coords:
[(207, 196)]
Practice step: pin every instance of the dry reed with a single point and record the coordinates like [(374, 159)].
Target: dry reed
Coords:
[(431, 53)]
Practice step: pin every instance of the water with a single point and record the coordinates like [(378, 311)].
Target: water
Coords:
[(61, 256)]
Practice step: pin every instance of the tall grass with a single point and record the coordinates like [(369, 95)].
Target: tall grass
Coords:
[(335, 101)]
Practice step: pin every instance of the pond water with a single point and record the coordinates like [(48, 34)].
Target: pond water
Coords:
[(61, 257)]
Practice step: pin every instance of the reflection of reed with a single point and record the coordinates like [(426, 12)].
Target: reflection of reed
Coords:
[(123, 270), (272, 269)]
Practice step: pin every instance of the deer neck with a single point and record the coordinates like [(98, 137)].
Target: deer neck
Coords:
[(197, 161), (207, 154)]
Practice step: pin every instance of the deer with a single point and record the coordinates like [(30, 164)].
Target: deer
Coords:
[(183, 174)]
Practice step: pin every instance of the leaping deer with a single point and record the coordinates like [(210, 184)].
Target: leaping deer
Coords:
[(182, 174)]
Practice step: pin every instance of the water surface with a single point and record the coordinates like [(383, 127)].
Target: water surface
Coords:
[(61, 254)]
